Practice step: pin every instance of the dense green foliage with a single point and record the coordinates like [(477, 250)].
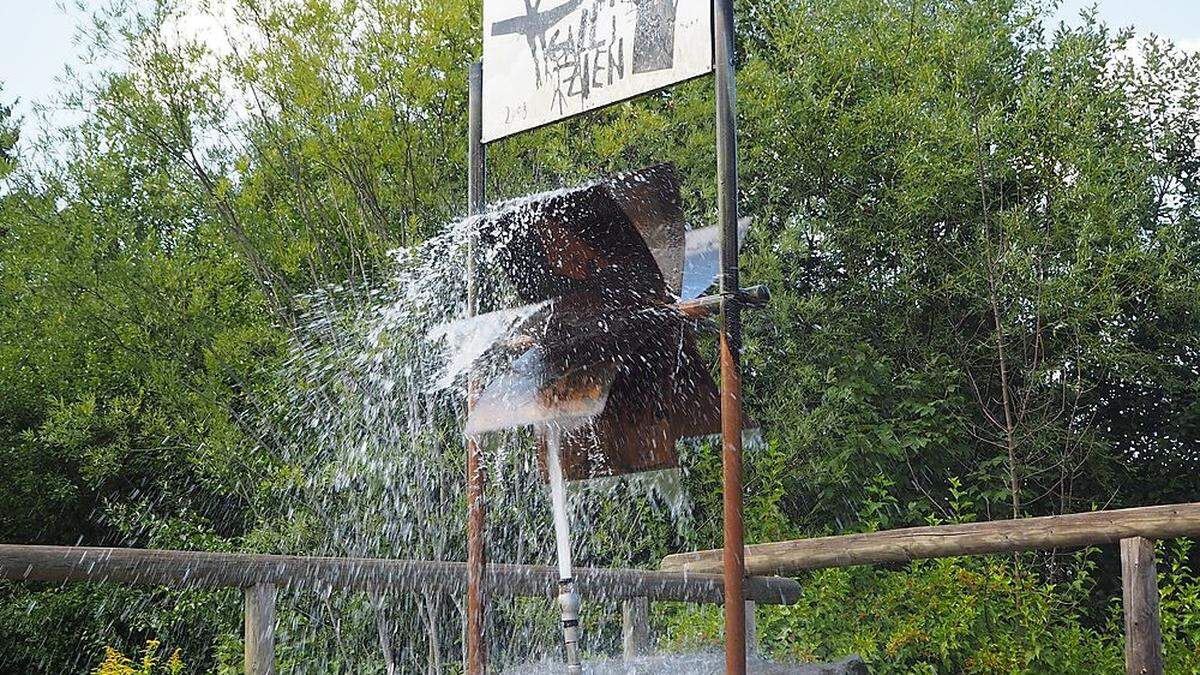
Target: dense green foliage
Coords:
[(8, 138), (982, 235), (972, 615)]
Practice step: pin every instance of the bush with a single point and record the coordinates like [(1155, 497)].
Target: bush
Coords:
[(116, 663), (963, 615)]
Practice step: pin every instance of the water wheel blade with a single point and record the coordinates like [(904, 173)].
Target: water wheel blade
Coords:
[(526, 394), (702, 258), (468, 340), (621, 238), (650, 200)]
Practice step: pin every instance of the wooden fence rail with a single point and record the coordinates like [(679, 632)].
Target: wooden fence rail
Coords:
[(688, 577), (1135, 530), (243, 570), (1076, 530), (260, 577)]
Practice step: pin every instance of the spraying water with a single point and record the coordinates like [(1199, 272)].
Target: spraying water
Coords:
[(558, 499), (568, 599), (369, 436), (372, 433)]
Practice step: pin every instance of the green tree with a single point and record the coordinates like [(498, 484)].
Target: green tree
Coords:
[(130, 333), (9, 135), (980, 235), (982, 255)]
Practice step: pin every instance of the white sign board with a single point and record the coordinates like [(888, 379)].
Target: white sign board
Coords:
[(546, 60)]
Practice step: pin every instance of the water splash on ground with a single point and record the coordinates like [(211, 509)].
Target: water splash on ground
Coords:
[(694, 663)]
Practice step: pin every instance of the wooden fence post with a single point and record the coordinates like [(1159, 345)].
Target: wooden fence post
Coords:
[(1139, 586), (751, 628), (260, 629), (635, 627)]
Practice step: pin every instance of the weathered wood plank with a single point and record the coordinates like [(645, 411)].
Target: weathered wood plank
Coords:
[(751, 628), (1139, 586), (243, 570), (635, 627), (1003, 536), (260, 629)]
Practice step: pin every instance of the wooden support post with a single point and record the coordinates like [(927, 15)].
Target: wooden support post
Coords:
[(260, 629), (635, 627), (1139, 585), (751, 628), (383, 629)]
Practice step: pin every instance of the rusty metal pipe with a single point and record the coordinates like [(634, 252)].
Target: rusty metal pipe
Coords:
[(733, 558), (731, 382), (476, 656), (710, 305)]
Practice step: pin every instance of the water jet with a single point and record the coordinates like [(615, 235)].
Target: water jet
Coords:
[(601, 360)]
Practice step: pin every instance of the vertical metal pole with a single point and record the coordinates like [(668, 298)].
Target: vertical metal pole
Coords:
[(476, 521), (731, 338), (568, 599)]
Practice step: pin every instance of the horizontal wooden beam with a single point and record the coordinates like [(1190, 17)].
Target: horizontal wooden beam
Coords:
[(941, 541), (244, 570)]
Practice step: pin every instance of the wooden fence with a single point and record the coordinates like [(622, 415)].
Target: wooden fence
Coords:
[(1135, 530), (688, 577), (260, 577)]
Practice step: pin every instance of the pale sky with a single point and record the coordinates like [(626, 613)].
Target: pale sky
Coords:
[(35, 46), (1175, 19), (36, 36)]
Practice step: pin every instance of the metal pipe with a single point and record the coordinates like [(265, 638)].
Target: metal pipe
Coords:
[(709, 305), (569, 604), (476, 515), (731, 382)]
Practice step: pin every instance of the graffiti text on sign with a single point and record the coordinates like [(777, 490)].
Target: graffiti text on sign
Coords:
[(549, 59), (580, 62)]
